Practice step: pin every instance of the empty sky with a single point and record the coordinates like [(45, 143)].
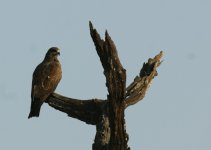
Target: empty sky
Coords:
[(175, 114)]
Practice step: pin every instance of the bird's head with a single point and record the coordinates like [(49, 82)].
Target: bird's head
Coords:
[(52, 53)]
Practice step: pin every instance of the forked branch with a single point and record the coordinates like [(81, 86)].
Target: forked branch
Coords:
[(137, 89), (108, 115)]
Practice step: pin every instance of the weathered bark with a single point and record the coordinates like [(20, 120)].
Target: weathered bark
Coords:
[(137, 89), (116, 83), (84, 110), (108, 115)]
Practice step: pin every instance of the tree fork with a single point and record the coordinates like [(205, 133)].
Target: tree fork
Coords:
[(108, 115)]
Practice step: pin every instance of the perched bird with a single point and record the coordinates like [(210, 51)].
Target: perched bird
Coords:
[(45, 79)]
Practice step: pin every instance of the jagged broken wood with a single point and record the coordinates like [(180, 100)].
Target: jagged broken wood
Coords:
[(108, 115), (137, 89)]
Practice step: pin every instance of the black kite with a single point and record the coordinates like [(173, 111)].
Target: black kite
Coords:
[(45, 79)]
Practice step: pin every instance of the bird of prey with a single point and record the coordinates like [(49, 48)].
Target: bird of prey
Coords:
[(45, 79)]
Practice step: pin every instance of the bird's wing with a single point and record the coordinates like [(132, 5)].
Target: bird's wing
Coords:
[(45, 79), (35, 82)]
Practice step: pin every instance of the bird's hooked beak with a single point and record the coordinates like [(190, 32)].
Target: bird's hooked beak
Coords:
[(58, 51)]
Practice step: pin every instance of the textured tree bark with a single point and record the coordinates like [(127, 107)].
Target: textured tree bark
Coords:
[(108, 115), (116, 83)]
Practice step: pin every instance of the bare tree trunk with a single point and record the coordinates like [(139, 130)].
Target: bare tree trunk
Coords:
[(108, 115)]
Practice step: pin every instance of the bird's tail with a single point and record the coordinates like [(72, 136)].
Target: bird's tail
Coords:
[(35, 108)]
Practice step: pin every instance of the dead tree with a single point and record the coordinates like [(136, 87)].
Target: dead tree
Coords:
[(108, 115)]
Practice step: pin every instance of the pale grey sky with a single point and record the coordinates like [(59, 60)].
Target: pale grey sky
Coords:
[(175, 114)]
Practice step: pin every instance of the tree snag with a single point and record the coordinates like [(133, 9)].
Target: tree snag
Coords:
[(108, 115)]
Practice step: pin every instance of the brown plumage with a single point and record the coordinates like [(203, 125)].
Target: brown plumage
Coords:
[(45, 79)]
